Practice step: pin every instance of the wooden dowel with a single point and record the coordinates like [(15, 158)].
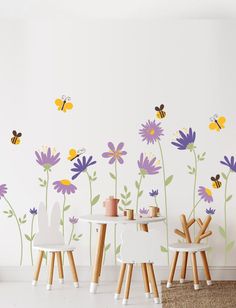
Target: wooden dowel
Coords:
[(191, 221), (173, 266), (121, 278), (36, 275), (184, 265), (180, 233), (59, 265), (72, 266), (199, 221), (195, 272), (203, 229), (145, 278), (185, 228), (205, 265), (51, 268), (152, 278), (128, 281), (208, 233)]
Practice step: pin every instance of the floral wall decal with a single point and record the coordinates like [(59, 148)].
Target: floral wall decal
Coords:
[(115, 156), (11, 213), (30, 237), (154, 194), (64, 103), (217, 123), (151, 132), (81, 166), (73, 236), (16, 137), (231, 164)]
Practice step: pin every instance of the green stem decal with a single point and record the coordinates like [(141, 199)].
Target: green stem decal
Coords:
[(194, 187), (19, 229), (115, 226), (46, 189), (166, 181), (91, 212), (193, 209), (139, 192), (63, 215), (31, 239), (71, 234), (225, 215)]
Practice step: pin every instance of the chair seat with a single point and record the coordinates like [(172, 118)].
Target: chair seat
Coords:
[(188, 247), (54, 248)]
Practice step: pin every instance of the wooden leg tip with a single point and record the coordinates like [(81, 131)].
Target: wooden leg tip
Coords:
[(196, 286), (49, 287), (93, 287), (209, 282), (156, 300), (116, 296), (76, 284), (34, 283), (182, 280), (147, 295), (150, 287), (61, 281), (169, 285), (125, 301)]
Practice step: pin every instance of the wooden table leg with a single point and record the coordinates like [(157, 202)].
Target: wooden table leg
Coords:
[(120, 280), (145, 280), (60, 267), (195, 273), (98, 258), (206, 268), (36, 274), (172, 270), (184, 267), (152, 278), (127, 285), (50, 278)]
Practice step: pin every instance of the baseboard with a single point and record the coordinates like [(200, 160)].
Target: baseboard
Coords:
[(110, 273)]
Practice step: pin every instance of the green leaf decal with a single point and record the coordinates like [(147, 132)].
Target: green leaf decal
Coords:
[(28, 237), (163, 249), (112, 176), (140, 193), (224, 175), (107, 247), (95, 200), (137, 184), (222, 231), (118, 249), (229, 246), (125, 188), (229, 198), (169, 180), (66, 208)]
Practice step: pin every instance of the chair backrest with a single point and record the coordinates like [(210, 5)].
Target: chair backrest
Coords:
[(49, 234), (187, 224), (139, 246)]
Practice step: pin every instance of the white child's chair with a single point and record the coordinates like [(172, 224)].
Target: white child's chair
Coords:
[(138, 247), (49, 239)]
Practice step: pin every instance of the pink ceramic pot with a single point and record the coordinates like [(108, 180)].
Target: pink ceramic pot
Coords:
[(111, 206)]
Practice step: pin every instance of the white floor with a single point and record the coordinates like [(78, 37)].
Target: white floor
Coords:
[(23, 295)]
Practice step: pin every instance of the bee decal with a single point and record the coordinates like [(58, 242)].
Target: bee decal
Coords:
[(217, 123), (160, 111), (16, 137), (64, 103), (73, 154), (216, 183)]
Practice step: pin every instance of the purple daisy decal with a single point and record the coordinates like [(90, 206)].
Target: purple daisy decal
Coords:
[(73, 220), (210, 211), (143, 211), (115, 153), (186, 140), (205, 194), (65, 187), (148, 166), (81, 165), (3, 190), (33, 211), (151, 131), (231, 163), (153, 193), (47, 160)]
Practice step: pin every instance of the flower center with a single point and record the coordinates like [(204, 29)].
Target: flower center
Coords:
[(208, 192), (65, 182), (152, 131)]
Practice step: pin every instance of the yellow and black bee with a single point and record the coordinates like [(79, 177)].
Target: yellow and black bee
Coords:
[(160, 111), (16, 137), (216, 183)]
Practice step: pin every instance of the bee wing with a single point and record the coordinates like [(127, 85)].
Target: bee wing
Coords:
[(59, 103), (19, 134), (68, 106), (222, 121), (214, 126), (217, 177), (72, 154), (14, 133), (212, 178), (162, 107), (157, 108)]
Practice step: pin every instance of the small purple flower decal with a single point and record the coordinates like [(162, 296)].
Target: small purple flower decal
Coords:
[(64, 186), (81, 165), (205, 194), (151, 131), (143, 211), (148, 166), (3, 190), (115, 153), (47, 159), (33, 211), (153, 193), (231, 163), (73, 220), (210, 211), (186, 141)]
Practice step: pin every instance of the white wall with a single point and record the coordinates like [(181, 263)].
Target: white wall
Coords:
[(116, 72)]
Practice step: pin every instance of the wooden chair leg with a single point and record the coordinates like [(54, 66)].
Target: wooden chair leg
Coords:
[(172, 270), (120, 280), (73, 268), (38, 267), (195, 272), (206, 267), (152, 278), (60, 267), (98, 260), (127, 285), (50, 278), (184, 267), (145, 280)]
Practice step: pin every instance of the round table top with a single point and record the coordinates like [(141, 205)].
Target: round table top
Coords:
[(103, 219)]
